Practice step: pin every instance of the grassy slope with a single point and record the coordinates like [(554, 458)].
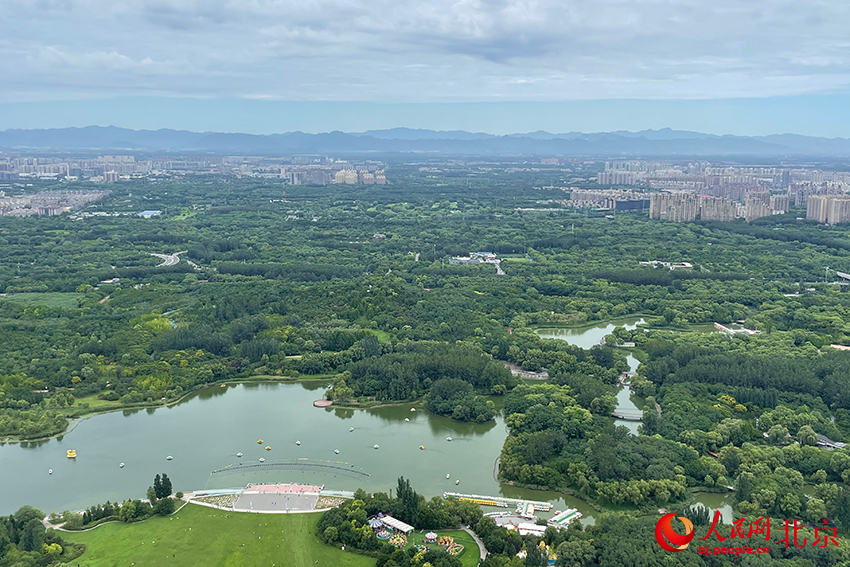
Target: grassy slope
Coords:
[(216, 538)]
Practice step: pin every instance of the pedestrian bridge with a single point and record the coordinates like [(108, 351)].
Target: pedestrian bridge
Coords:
[(631, 416)]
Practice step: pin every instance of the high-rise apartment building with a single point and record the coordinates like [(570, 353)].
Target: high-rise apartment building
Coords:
[(829, 209), (678, 207), (717, 209)]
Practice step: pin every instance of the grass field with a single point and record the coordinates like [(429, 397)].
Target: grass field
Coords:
[(50, 299), (470, 554), (383, 336), (197, 535)]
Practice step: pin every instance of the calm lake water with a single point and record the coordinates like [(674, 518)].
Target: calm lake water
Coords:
[(589, 335), (205, 432)]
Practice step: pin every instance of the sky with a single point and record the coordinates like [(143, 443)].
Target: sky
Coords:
[(499, 66)]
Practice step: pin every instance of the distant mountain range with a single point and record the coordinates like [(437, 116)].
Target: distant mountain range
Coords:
[(664, 142)]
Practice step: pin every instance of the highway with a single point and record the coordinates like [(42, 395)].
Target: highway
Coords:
[(169, 259)]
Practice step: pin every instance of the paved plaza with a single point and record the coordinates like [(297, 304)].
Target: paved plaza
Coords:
[(278, 498)]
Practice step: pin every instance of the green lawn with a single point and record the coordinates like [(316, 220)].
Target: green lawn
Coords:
[(197, 535), (50, 299), (470, 554), (383, 336)]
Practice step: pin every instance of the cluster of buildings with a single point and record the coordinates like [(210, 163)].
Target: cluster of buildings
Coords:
[(360, 175), (46, 203), (296, 170), (683, 206), (475, 258), (698, 176), (828, 209), (613, 199)]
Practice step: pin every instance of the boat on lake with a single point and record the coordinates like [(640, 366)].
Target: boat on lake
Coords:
[(71, 453)]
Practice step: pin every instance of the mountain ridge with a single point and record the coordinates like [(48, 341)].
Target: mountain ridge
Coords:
[(665, 141)]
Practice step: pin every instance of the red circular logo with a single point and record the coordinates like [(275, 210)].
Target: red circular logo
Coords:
[(664, 533)]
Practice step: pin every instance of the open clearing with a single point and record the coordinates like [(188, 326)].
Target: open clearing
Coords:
[(50, 299), (197, 535)]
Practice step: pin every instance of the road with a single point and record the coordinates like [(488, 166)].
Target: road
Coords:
[(169, 259), (481, 548)]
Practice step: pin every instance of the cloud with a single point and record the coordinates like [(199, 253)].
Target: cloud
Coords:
[(439, 50)]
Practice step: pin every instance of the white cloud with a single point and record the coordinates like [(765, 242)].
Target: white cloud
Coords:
[(440, 50)]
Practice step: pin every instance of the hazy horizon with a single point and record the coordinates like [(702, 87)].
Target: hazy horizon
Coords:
[(814, 115)]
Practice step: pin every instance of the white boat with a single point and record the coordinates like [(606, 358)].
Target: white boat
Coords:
[(50, 471), (121, 466), (336, 451), (448, 476), (457, 482), (350, 429), (169, 458), (407, 420), (238, 454), (262, 460), (448, 438), (298, 442), (412, 409), (376, 447)]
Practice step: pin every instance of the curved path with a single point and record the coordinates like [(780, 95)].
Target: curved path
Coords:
[(481, 548), (169, 259)]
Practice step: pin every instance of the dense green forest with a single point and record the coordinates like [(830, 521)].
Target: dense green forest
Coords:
[(353, 284)]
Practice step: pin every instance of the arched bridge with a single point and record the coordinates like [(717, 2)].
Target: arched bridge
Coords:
[(338, 467)]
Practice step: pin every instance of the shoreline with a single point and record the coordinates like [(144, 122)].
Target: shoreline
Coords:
[(74, 421)]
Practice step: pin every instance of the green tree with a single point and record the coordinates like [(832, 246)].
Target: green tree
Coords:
[(806, 436)]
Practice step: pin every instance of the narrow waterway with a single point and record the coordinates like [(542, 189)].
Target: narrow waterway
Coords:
[(587, 337)]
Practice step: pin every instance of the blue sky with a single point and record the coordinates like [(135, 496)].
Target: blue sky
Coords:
[(500, 66)]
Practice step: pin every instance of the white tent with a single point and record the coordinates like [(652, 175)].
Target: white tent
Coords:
[(391, 522)]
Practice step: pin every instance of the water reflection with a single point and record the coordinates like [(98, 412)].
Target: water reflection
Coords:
[(590, 335)]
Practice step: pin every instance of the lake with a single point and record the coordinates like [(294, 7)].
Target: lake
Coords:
[(204, 433)]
